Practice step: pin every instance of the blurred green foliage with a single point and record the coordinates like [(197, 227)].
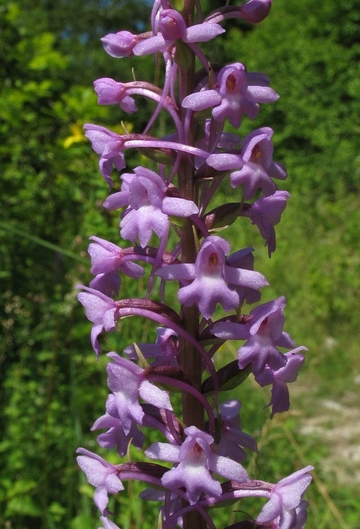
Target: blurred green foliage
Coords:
[(51, 194), (51, 387)]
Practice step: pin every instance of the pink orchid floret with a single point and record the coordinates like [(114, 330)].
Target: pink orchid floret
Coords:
[(109, 146), (108, 283), (115, 436), (128, 383), (100, 474), (107, 257), (148, 205), (232, 437), (107, 261), (195, 461), (119, 44), (265, 213), (286, 507), (258, 166), (111, 92), (266, 335), (238, 97), (233, 97), (280, 378), (171, 27), (101, 310), (209, 277)]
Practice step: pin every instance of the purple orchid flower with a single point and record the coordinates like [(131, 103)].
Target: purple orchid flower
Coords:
[(115, 436), (109, 146), (258, 166), (101, 310), (233, 96), (145, 195), (119, 44), (111, 92), (100, 474), (108, 283), (195, 461), (238, 97), (232, 437), (265, 213), (107, 257), (107, 260), (209, 276), (128, 382), (286, 507), (280, 378), (266, 322), (171, 28)]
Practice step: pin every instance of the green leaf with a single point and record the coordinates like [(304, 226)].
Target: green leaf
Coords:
[(82, 521), (23, 505), (229, 377)]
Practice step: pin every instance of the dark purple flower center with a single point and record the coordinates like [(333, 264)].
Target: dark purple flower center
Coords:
[(231, 83), (263, 324), (256, 155), (197, 449), (213, 260)]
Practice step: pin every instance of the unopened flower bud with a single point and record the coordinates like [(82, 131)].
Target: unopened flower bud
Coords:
[(255, 10), (119, 44), (172, 25)]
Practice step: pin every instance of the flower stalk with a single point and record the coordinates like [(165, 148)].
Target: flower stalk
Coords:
[(204, 443)]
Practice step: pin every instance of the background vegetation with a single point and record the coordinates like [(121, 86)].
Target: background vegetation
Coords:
[(51, 388)]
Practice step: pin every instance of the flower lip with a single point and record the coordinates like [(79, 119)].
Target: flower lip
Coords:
[(211, 278)]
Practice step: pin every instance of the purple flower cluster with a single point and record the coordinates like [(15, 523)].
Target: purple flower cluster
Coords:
[(166, 213)]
